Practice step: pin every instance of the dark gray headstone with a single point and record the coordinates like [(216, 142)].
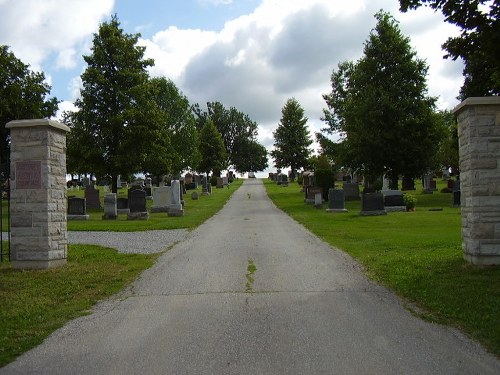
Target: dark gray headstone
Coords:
[(76, 206), (92, 197), (122, 203), (372, 204), (137, 200), (408, 184), (394, 200), (351, 191), (336, 200)]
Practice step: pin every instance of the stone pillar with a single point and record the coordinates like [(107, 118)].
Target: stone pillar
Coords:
[(38, 194), (479, 148)]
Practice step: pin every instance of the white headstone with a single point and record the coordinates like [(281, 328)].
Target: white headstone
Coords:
[(162, 199)]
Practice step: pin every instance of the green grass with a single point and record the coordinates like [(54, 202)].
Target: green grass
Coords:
[(416, 254), (195, 213), (35, 303)]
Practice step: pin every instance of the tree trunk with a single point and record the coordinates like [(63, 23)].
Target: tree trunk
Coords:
[(114, 183), (393, 181)]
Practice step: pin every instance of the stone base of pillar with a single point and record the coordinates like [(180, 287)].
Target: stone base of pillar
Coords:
[(37, 264)]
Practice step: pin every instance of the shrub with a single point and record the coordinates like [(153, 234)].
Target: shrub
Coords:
[(410, 202)]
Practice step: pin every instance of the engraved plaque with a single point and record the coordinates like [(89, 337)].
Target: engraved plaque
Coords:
[(29, 174)]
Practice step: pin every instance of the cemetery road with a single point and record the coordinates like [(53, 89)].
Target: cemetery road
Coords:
[(252, 292)]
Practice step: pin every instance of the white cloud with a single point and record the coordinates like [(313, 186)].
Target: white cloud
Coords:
[(36, 29)]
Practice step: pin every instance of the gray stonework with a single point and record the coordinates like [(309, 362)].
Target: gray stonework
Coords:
[(38, 194), (479, 148)]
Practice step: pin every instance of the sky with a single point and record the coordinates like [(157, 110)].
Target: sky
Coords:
[(249, 54)]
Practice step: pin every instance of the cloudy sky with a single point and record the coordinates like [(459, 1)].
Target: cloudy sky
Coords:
[(249, 54)]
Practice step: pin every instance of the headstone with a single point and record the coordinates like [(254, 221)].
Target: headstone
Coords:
[(336, 200), (385, 183), (426, 181), (225, 181), (394, 201), (372, 204), (122, 205), (351, 191), (408, 184), (209, 188), (204, 185), (175, 208), (137, 205), (194, 196), (110, 207), (284, 180), (77, 209), (318, 200), (148, 182), (220, 183), (85, 182), (119, 181), (162, 198), (456, 193), (38, 194), (92, 197), (311, 193)]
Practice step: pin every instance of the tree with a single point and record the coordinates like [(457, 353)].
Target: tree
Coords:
[(249, 156), (23, 96), (291, 138), (478, 44), (117, 116), (236, 128), (448, 151), (381, 109), (212, 150), (179, 122)]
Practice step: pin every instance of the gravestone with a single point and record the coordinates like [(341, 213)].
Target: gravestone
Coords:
[(351, 191), (110, 207), (408, 184), (194, 196), (311, 193), (204, 185), (85, 182), (336, 200), (225, 181), (38, 218), (77, 209), (318, 200), (188, 179), (394, 201), (456, 193), (220, 183), (122, 205), (175, 208), (162, 198), (137, 205), (284, 180), (372, 204), (479, 135), (426, 181), (92, 197)]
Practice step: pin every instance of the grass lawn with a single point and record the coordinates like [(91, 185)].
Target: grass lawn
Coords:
[(416, 254), (36, 303)]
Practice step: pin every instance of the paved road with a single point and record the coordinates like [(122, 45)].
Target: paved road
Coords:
[(308, 310)]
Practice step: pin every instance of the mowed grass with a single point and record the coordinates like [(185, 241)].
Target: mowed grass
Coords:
[(36, 303), (33, 304), (416, 254)]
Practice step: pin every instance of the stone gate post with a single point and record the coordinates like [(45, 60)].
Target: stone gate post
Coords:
[(38, 194), (479, 149)]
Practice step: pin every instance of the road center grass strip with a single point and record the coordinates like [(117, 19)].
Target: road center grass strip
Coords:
[(416, 254)]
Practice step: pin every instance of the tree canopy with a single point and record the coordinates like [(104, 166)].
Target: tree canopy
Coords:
[(292, 138), (23, 96), (212, 150), (380, 107), (117, 120), (239, 134), (478, 44)]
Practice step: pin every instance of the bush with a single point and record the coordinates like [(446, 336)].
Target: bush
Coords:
[(410, 202), (325, 178)]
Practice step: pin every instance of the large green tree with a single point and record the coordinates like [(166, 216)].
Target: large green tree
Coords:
[(23, 96), (179, 123), (117, 117), (381, 108), (249, 156), (238, 131), (292, 138), (478, 44), (213, 157)]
